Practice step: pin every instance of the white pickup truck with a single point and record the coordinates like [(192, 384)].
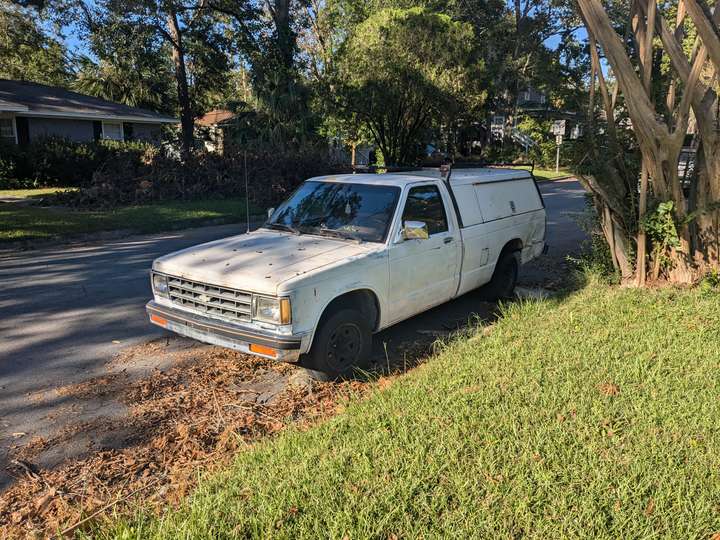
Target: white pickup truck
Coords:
[(348, 255)]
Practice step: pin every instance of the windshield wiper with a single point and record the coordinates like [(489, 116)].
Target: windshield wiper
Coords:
[(282, 227), (339, 233)]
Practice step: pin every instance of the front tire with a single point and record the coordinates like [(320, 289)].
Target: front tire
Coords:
[(342, 344), (505, 276)]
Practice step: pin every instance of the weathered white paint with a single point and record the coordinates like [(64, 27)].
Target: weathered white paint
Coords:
[(407, 277)]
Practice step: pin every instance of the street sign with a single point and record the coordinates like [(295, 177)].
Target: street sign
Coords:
[(497, 126), (558, 142), (558, 127)]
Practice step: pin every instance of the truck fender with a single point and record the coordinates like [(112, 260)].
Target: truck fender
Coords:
[(373, 295)]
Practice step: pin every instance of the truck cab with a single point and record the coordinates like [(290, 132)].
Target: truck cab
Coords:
[(348, 255)]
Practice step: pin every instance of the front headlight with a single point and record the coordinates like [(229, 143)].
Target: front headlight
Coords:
[(273, 310), (160, 285)]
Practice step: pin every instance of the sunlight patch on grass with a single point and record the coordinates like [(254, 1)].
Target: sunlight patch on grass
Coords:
[(20, 222), (32, 193), (542, 175)]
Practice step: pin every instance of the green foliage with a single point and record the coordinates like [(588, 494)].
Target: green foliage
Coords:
[(710, 283), (661, 229), (660, 226), (131, 65), (127, 178), (594, 262), (27, 52), (403, 69), (56, 161), (544, 154)]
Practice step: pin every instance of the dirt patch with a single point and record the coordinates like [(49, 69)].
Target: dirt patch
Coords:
[(192, 416)]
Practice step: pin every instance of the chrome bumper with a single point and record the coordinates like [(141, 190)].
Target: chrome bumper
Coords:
[(224, 334)]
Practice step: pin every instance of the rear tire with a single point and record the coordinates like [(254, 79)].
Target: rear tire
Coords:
[(504, 279), (342, 344)]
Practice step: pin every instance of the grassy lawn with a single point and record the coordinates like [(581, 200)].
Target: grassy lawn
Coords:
[(547, 174), (597, 415), (32, 193), (19, 222)]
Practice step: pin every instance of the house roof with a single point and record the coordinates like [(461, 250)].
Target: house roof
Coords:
[(215, 117), (33, 99)]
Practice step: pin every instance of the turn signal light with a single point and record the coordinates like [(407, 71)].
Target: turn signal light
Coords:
[(262, 349), (158, 320), (285, 312)]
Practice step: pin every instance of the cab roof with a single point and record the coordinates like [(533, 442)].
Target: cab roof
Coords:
[(400, 179)]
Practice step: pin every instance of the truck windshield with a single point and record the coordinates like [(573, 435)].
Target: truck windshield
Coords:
[(355, 211)]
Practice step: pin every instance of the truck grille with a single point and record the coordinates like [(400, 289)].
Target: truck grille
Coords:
[(210, 299)]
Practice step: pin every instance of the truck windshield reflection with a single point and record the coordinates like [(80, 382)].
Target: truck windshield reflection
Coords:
[(344, 210)]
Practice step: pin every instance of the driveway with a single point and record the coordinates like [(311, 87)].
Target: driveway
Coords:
[(67, 310)]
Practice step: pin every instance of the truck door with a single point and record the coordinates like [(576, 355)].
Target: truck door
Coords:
[(424, 272)]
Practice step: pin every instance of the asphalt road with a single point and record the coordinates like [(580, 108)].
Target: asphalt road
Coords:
[(66, 310)]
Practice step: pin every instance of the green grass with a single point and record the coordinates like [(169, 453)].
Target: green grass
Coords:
[(32, 193), (593, 416), (19, 222), (548, 174)]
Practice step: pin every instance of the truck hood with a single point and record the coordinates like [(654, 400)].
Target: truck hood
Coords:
[(258, 261)]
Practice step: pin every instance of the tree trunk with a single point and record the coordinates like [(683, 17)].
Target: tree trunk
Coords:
[(659, 143), (186, 112), (613, 226), (285, 39), (644, 35), (706, 233)]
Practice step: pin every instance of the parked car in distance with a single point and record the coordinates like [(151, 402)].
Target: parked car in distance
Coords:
[(349, 255)]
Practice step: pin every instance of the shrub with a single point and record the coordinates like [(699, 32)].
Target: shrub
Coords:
[(54, 161), (152, 175), (595, 260), (8, 166)]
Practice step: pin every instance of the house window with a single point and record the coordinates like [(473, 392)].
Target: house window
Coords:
[(7, 130), (112, 131)]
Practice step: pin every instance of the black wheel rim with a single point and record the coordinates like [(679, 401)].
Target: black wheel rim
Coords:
[(344, 346)]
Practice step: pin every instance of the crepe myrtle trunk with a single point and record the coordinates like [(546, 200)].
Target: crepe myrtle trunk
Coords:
[(660, 139)]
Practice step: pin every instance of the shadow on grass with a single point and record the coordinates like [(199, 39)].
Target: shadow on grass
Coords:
[(406, 345)]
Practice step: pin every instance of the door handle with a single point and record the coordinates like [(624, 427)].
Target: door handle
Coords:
[(447, 239)]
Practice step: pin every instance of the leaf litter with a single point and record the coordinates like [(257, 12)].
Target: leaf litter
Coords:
[(192, 416)]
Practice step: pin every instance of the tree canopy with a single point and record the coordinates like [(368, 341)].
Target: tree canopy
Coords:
[(27, 52), (310, 68), (400, 71)]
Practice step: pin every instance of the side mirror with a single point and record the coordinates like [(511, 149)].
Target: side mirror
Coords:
[(415, 230), (270, 212)]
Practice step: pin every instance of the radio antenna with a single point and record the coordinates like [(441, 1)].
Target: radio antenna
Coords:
[(247, 193)]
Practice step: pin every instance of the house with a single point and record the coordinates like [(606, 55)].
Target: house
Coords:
[(210, 129), (532, 99), (359, 156), (30, 111)]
